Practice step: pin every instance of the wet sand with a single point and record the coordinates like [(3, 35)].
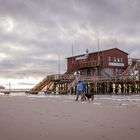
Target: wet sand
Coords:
[(29, 118)]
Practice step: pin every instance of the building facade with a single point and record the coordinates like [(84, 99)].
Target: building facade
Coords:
[(107, 63)]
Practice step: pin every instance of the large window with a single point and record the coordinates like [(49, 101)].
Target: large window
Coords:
[(121, 59), (115, 59), (118, 59), (109, 59)]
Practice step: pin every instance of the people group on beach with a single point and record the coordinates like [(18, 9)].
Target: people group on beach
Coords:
[(80, 91)]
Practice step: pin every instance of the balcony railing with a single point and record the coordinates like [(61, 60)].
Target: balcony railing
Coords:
[(87, 64), (84, 64)]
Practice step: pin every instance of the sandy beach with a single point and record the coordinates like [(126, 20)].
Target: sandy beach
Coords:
[(62, 118)]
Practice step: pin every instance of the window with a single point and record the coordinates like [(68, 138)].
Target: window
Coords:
[(109, 59), (115, 59), (121, 59), (118, 59)]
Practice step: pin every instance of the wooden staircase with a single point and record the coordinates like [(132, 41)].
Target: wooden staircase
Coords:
[(44, 82), (129, 72)]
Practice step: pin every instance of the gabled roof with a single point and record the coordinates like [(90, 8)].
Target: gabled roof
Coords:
[(113, 49), (99, 52)]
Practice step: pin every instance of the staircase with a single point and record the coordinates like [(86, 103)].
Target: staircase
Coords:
[(73, 82), (44, 82), (84, 78), (67, 76), (107, 74), (130, 70)]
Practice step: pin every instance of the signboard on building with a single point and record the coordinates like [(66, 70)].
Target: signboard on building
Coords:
[(116, 64), (80, 57)]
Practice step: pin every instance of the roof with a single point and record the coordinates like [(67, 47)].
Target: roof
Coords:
[(99, 52)]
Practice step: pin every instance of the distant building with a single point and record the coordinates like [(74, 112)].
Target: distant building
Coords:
[(2, 87), (111, 62)]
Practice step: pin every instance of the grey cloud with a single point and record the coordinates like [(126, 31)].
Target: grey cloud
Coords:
[(43, 30)]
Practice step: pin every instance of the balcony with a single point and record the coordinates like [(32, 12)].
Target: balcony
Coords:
[(77, 65), (85, 64)]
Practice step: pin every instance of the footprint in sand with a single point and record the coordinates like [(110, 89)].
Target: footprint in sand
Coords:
[(132, 128), (41, 123), (86, 121), (101, 125)]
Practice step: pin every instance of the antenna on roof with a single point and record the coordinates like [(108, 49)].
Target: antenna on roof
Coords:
[(72, 50), (98, 44), (129, 54), (98, 52), (129, 58)]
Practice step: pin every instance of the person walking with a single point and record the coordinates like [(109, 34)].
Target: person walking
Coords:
[(80, 90)]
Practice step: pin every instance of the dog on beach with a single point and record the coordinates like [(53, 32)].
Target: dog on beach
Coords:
[(89, 96)]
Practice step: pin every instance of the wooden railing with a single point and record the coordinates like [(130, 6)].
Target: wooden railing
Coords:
[(84, 64), (42, 83)]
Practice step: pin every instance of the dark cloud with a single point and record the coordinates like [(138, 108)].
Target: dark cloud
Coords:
[(33, 33)]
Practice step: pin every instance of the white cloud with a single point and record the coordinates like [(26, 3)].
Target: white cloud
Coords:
[(6, 24), (2, 56)]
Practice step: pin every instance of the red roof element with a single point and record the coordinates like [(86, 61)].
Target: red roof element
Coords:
[(99, 52)]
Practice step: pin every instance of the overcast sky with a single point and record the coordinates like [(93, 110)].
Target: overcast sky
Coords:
[(34, 33)]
